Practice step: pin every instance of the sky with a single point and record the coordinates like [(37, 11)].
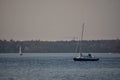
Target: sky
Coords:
[(59, 19)]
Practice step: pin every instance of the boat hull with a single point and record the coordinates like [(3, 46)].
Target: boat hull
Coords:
[(85, 59)]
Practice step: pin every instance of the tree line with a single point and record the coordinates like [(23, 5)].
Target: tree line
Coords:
[(73, 46)]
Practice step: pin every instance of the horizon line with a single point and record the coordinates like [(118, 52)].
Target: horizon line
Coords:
[(59, 40)]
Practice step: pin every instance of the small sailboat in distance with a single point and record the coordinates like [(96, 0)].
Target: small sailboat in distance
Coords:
[(84, 58), (20, 51)]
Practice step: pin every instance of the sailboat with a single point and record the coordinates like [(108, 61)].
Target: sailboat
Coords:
[(81, 57), (20, 51)]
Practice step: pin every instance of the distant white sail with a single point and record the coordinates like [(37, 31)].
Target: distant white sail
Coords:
[(20, 51)]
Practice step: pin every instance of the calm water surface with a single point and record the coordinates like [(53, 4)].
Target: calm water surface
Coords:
[(58, 66)]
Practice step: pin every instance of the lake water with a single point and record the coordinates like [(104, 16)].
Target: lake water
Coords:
[(58, 66)]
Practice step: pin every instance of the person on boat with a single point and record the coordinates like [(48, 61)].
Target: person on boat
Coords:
[(89, 55), (80, 56)]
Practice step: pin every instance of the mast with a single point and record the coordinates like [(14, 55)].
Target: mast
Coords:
[(82, 38)]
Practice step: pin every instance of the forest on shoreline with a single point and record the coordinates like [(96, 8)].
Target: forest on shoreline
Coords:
[(72, 46)]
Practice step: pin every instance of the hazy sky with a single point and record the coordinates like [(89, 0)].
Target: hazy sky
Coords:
[(59, 19)]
